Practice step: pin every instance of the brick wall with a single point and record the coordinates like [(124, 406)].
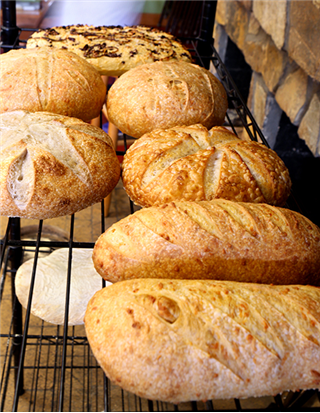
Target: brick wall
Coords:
[(280, 40)]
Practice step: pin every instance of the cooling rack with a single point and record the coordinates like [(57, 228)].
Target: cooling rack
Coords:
[(45, 367)]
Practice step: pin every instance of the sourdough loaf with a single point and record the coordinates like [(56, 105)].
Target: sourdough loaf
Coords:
[(217, 239), (53, 165), (194, 164), (52, 80), (49, 291), (112, 50), (163, 95), (182, 340)]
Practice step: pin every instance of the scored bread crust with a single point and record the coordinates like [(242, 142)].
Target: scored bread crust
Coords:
[(163, 95), (113, 50), (194, 164), (217, 239), (50, 80), (53, 165), (182, 340)]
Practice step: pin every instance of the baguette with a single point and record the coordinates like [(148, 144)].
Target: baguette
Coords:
[(50, 80), (193, 164), (163, 95), (183, 340), (219, 239), (53, 165), (112, 50)]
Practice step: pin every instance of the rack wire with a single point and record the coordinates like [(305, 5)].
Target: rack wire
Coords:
[(51, 368)]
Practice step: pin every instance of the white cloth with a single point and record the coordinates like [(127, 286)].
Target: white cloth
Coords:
[(95, 12)]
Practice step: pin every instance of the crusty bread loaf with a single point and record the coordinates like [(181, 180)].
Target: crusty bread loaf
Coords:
[(194, 164), (53, 165), (163, 95), (182, 340), (112, 50), (52, 80), (217, 239), (49, 292)]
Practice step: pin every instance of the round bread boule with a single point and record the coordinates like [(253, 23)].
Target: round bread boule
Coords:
[(52, 165), (193, 163), (162, 95), (49, 293), (51, 80)]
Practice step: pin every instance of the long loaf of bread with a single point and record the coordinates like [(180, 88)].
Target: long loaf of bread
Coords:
[(195, 164), (181, 340), (216, 239)]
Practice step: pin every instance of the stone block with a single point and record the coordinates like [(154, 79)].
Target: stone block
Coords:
[(303, 36), (258, 48), (235, 18), (220, 40), (247, 4), (272, 16), (263, 56), (221, 13), (264, 108), (292, 95), (309, 129), (257, 98)]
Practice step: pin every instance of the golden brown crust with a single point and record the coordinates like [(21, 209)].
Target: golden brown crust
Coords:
[(217, 239), (53, 165), (113, 50), (180, 340), (51, 80), (194, 164), (163, 95)]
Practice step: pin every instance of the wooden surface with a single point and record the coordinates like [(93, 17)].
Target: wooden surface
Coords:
[(32, 19)]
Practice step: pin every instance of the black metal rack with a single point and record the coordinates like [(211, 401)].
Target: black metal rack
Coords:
[(61, 373)]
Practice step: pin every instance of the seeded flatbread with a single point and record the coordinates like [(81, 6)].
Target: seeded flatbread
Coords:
[(113, 50)]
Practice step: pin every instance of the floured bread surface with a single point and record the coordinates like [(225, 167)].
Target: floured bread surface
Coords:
[(194, 164), (53, 165), (163, 95), (113, 50), (182, 340), (49, 292), (218, 239), (52, 80)]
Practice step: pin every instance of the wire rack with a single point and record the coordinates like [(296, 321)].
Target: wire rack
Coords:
[(45, 367)]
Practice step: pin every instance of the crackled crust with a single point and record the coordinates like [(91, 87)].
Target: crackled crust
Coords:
[(182, 340), (217, 239), (113, 50), (53, 165), (194, 164)]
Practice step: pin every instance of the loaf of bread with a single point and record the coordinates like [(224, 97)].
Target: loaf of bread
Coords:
[(163, 95), (193, 164), (182, 340), (219, 239), (112, 50), (52, 80), (50, 287), (53, 165)]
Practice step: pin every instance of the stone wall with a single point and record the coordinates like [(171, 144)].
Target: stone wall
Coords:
[(280, 40)]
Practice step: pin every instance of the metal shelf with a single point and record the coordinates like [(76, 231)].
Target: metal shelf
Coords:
[(51, 368)]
